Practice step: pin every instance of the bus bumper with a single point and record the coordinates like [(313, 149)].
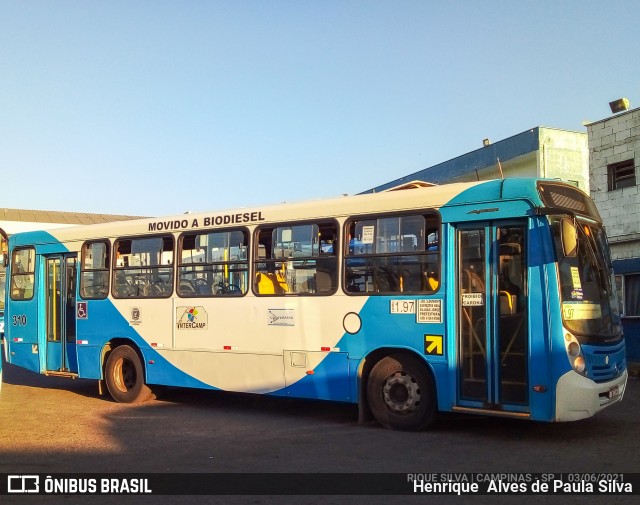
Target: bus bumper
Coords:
[(578, 397)]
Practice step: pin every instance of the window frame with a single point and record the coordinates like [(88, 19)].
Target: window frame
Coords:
[(425, 253), (331, 259), (116, 269), (106, 269), (625, 312), (619, 284), (247, 261), (614, 180), (31, 273)]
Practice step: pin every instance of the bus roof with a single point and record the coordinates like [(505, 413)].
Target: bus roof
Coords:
[(436, 197), (20, 220)]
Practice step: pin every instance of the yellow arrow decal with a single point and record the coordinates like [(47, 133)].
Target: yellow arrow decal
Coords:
[(433, 344)]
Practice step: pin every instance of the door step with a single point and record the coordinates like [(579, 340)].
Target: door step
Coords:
[(491, 412), (53, 373)]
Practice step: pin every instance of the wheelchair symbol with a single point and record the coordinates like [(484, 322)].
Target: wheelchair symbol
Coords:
[(81, 311)]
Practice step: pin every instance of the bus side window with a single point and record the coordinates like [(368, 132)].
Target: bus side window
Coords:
[(213, 264), (393, 254), (22, 274), (144, 267), (296, 259), (94, 270)]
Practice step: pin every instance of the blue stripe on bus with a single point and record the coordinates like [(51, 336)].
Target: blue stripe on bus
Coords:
[(47, 242), (105, 324), (328, 381)]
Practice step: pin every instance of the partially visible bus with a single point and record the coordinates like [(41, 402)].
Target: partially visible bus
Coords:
[(20, 220), (4, 243), (490, 297)]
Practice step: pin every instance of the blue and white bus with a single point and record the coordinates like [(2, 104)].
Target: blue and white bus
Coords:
[(490, 297), (4, 242)]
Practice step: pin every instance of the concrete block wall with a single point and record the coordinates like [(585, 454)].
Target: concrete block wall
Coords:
[(610, 141), (614, 140), (561, 154), (564, 155)]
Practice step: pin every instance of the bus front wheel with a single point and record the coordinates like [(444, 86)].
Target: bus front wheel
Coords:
[(124, 376), (401, 393)]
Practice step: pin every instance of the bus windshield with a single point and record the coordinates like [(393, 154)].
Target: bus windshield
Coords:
[(589, 299)]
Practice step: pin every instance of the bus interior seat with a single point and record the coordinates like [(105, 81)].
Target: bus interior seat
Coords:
[(510, 277), (471, 281), (271, 283), (410, 278), (508, 303), (431, 283), (384, 280), (202, 287), (185, 288), (324, 282)]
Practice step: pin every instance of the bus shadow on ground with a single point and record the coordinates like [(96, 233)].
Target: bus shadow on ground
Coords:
[(243, 404), (246, 403), (17, 376)]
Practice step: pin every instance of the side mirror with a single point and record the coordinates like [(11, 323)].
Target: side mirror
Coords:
[(569, 238)]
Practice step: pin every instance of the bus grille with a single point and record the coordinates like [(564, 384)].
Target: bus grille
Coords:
[(605, 363)]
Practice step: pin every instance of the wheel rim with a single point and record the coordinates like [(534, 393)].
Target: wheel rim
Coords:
[(401, 393), (124, 375)]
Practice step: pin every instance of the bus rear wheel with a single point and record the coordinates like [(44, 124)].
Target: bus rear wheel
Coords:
[(401, 393), (124, 376)]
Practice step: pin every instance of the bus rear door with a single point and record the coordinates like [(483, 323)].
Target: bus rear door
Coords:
[(60, 300), (492, 338)]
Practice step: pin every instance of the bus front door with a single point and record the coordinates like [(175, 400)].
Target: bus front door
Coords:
[(61, 313), (492, 324)]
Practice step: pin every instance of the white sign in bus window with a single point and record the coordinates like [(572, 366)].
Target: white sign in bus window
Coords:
[(578, 311), (368, 233), (575, 278), (429, 311), (472, 299)]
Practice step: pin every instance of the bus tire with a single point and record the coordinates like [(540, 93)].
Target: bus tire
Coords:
[(401, 393), (124, 376)]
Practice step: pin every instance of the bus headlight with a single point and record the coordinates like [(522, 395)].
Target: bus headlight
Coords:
[(573, 349), (574, 354), (579, 365)]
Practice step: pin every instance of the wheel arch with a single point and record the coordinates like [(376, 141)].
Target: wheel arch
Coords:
[(364, 370), (124, 371), (117, 342)]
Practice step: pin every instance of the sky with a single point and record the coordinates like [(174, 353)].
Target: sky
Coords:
[(158, 107)]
